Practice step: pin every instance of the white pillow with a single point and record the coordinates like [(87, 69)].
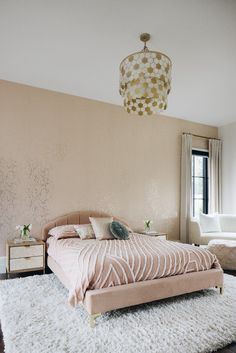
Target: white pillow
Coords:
[(227, 222), (209, 223), (85, 231), (65, 231), (101, 227)]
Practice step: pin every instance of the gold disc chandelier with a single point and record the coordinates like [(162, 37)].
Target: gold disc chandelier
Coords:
[(145, 79)]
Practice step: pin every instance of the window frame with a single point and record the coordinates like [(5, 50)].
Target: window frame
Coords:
[(205, 178)]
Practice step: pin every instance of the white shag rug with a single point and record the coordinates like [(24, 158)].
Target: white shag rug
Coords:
[(36, 318)]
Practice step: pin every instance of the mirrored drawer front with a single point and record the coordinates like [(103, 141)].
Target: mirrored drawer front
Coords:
[(26, 251), (163, 237), (26, 263)]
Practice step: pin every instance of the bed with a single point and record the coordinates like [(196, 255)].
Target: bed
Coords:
[(199, 269)]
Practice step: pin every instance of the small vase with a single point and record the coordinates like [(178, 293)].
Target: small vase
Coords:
[(24, 235), (147, 229)]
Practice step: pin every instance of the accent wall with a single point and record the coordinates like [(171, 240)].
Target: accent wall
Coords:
[(60, 153)]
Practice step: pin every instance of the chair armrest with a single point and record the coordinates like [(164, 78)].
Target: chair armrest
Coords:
[(194, 232)]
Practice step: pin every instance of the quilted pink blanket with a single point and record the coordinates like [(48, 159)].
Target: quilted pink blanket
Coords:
[(94, 264)]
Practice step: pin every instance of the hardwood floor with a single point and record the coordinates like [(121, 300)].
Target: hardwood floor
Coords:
[(229, 349), (1, 342)]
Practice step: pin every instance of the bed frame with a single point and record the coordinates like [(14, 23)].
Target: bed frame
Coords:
[(99, 301)]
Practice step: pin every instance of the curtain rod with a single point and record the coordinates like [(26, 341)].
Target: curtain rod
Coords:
[(200, 136)]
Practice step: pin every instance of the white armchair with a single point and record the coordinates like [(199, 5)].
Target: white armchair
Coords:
[(227, 230), (194, 232)]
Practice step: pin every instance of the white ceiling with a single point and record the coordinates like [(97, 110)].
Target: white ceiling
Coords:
[(75, 46)]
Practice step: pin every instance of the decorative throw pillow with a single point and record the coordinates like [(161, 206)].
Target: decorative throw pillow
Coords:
[(101, 227), (85, 231), (126, 226), (209, 223), (65, 231), (227, 222), (119, 231)]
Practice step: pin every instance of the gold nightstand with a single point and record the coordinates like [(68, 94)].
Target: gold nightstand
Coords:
[(25, 256)]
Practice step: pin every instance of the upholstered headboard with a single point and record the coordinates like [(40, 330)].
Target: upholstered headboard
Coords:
[(78, 217)]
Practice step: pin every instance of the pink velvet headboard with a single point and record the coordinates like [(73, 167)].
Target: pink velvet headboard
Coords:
[(78, 217)]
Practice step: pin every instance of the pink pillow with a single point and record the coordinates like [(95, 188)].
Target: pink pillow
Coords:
[(65, 231)]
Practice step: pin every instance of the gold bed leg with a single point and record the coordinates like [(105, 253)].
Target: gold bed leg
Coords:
[(221, 289), (92, 319)]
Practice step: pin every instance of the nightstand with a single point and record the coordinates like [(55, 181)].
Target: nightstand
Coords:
[(25, 256), (162, 236)]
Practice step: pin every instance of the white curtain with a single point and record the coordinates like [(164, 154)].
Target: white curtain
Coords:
[(215, 170), (186, 187)]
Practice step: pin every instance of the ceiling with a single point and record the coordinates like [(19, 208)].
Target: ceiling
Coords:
[(75, 46)]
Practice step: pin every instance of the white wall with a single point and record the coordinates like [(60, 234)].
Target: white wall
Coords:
[(228, 134)]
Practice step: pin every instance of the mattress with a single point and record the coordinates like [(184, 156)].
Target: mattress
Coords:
[(93, 264)]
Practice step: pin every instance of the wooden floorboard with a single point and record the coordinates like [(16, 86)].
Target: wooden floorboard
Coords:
[(231, 348), (1, 342)]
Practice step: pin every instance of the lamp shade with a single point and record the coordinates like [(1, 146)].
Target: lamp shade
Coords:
[(145, 79)]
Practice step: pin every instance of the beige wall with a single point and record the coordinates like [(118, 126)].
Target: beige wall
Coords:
[(228, 135), (60, 153)]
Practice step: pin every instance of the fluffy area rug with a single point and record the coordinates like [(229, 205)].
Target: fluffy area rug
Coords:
[(36, 318)]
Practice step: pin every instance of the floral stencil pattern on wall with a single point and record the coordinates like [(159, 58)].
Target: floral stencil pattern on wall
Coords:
[(38, 189), (24, 195), (8, 196)]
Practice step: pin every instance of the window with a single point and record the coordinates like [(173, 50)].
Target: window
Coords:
[(199, 182)]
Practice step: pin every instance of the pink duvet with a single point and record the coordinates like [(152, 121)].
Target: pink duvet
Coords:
[(94, 264)]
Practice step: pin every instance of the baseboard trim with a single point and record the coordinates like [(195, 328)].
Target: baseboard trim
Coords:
[(2, 264)]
